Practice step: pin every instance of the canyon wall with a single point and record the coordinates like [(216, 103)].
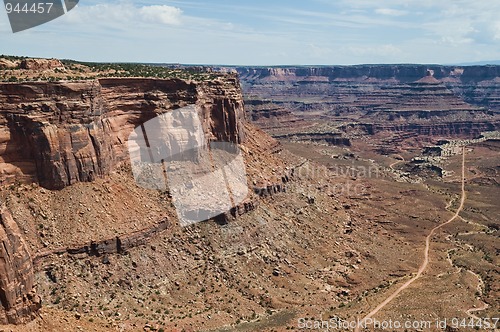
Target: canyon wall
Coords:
[(366, 99), (59, 133), (17, 293)]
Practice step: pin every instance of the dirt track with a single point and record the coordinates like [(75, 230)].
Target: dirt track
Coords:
[(425, 262)]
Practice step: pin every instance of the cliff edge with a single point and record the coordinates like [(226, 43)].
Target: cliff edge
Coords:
[(60, 133)]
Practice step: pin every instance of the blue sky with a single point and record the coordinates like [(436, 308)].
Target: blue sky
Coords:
[(268, 32)]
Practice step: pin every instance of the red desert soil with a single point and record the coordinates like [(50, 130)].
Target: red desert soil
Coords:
[(425, 262)]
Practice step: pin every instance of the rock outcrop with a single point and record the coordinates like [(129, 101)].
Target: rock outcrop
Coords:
[(117, 245), (60, 133), (41, 64), (18, 299)]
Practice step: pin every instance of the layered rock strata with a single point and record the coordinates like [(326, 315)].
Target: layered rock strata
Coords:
[(426, 100), (66, 132), (60, 133), (17, 294)]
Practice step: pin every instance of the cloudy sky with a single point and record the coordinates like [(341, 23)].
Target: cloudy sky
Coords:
[(266, 32)]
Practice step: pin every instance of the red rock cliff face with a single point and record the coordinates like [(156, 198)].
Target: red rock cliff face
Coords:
[(427, 100), (17, 295), (378, 84), (61, 133)]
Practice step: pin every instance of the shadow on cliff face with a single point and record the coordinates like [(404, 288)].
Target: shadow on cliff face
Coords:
[(18, 151), (53, 156), (58, 156)]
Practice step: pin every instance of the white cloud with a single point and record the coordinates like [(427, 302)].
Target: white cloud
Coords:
[(161, 14), (496, 31), (452, 31), (123, 15), (391, 12)]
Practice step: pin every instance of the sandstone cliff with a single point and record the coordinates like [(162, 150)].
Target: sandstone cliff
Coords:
[(66, 132), (476, 85), (17, 295), (430, 100), (61, 133)]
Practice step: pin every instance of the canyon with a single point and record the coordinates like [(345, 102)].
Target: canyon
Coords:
[(343, 192), (392, 115), (399, 102)]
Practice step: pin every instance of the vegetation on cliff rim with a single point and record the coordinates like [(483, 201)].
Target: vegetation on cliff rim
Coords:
[(75, 70)]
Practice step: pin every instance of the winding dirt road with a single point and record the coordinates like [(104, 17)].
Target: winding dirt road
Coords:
[(402, 160), (425, 263)]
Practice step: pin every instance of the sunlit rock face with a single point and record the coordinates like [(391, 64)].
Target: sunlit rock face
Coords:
[(60, 133)]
